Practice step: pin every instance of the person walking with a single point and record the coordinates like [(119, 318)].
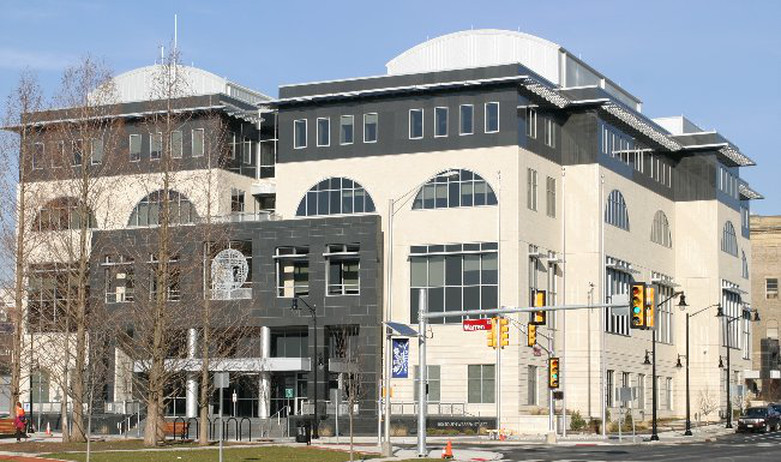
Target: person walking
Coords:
[(20, 422)]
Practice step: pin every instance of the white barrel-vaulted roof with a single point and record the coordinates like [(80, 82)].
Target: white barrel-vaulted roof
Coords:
[(141, 85), (492, 47), (479, 48)]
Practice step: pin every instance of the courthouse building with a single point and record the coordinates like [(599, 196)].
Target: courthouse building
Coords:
[(485, 166)]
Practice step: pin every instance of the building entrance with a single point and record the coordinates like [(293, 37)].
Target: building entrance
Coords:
[(288, 390)]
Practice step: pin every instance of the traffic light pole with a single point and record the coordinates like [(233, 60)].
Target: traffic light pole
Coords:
[(499, 380)]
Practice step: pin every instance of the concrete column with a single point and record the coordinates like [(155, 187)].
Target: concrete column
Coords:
[(264, 385), (191, 392)]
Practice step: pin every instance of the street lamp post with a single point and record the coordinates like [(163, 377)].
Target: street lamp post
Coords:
[(730, 319), (682, 304), (315, 365)]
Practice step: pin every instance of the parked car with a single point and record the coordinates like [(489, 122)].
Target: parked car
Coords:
[(761, 418)]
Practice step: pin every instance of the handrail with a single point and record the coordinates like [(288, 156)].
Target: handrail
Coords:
[(278, 414)]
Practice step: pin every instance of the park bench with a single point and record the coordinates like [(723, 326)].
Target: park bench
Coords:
[(7, 426), (175, 428)]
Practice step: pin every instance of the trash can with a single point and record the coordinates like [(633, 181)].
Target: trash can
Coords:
[(304, 432)]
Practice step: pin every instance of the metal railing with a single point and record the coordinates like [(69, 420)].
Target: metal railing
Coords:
[(411, 408)]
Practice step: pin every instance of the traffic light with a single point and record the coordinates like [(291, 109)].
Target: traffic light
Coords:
[(492, 333), (650, 306), (531, 335), (538, 317), (553, 373), (637, 306), (504, 332)]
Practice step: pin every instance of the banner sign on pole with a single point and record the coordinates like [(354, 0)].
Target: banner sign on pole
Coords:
[(400, 358), (473, 325)]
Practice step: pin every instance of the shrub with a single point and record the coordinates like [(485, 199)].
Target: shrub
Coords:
[(577, 422)]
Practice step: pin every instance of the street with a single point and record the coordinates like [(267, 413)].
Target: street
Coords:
[(753, 447)]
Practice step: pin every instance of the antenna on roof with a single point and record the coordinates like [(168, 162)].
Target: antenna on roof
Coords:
[(176, 46), (162, 54)]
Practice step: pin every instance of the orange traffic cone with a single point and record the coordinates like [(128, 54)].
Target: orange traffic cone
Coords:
[(48, 429), (447, 452)]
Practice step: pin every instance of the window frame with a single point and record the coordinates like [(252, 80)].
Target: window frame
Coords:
[(152, 139), (531, 189), (38, 164), (319, 132), (461, 131), (531, 123), (550, 132), (347, 253), (299, 254), (93, 142), (193, 152), (422, 123), (296, 124), (550, 196), (485, 388), (486, 119), (342, 124), (176, 153), (771, 294), (376, 127), (140, 139), (77, 146), (246, 150), (437, 110)]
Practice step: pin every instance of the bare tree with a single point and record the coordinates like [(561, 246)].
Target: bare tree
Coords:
[(18, 241), (347, 364)]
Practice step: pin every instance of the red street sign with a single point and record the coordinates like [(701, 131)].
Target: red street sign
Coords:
[(472, 325)]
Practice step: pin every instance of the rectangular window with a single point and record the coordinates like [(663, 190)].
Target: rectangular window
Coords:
[(618, 282), (299, 133), (433, 379), (173, 291), (550, 132), (177, 148), (246, 151), (346, 129), (531, 189), (234, 145), (198, 142), (292, 271), (481, 379), (78, 152), (268, 159), (456, 277), (38, 154), (58, 156), (641, 391), (155, 145), (664, 314), (96, 151), (134, 147), (550, 193), (609, 388), (491, 117), (771, 288), (732, 306), (668, 389), (237, 200), (323, 132), (343, 263), (531, 123), (467, 120), (119, 279), (415, 124), (370, 127), (440, 121), (531, 386)]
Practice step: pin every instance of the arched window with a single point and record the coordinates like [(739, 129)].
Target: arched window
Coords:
[(454, 188), (745, 265), (62, 213), (616, 213), (335, 196), (729, 242), (147, 211), (660, 230)]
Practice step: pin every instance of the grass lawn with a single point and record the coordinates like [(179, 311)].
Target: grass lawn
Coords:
[(271, 454), (57, 446)]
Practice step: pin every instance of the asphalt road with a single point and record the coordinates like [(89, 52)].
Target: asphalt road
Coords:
[(738, 447)]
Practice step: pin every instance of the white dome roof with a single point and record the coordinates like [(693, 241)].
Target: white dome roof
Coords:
[(479, 48), (140, 85)]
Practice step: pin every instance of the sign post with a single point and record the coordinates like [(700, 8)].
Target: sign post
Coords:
[(221, 381)]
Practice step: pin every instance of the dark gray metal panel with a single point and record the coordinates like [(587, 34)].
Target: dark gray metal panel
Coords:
[(393, 130)]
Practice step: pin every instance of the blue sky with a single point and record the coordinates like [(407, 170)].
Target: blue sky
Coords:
[(717, 62)]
